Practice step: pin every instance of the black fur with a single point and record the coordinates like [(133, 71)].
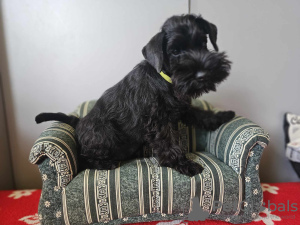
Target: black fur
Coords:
[(43, 117), (144, 109)]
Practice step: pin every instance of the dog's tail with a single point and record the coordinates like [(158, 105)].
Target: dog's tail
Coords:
[(61, 117)]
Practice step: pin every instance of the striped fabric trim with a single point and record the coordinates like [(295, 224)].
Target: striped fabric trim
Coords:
[(221, 180), (145, 190), (207, 201), (85, 108), (79, 110), (204, 104), (240, 144), (240, 195), (64, 144), (38, 141), (209, 106), (56, 154), (63, 126), (96, 194), (170, 190), (237, 130), (140, 187), (118, 192), (63, 131), (243, 152), (86, 196), (149, 184), (221, 131), (207, 184), (200, 188), (64, 206), (108, 193), (193, 192), (161, 191), (196, 190), (91, 194)]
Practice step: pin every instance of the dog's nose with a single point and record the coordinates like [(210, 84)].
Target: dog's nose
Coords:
[(200, 74)]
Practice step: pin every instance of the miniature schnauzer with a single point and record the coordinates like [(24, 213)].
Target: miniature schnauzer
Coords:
[(145, 106)]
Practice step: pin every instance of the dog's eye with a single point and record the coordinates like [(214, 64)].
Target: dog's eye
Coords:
[(175, 52)]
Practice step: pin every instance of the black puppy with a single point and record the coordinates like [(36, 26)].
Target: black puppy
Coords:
[(146, 105)]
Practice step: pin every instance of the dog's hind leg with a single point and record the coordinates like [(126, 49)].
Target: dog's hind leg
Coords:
[(168, 152)]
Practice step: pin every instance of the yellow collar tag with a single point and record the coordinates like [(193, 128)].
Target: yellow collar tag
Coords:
[(166, 77)]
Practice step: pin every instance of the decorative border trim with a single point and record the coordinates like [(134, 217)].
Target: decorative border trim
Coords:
[(96, 194), (62, 142), (140, 187), (222, 129), (118, 192), (239, 145), (86, 196), (57, 155), (155, 192), (208, 181), (221, 180), (170, 190), (103, 196), (64, 205)]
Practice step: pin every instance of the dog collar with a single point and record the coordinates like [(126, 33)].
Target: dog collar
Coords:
[(166, 77)]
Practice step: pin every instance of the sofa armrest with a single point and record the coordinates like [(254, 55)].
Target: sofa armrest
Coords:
[(57, 143), (233, 142)]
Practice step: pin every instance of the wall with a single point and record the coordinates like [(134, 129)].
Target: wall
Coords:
[(6, 173), (262, 40), (61, 53)]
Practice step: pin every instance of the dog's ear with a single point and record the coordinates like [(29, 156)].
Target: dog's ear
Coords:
[(153, 51), (212, 32)]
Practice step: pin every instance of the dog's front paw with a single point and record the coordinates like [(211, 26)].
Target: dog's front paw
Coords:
[(225, 116), (219, 118), (190, 168)]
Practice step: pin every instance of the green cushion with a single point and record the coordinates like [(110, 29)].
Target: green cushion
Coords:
[(142, 187)]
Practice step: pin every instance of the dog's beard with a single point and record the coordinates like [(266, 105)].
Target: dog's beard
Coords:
[(212, 67), (193, 88)]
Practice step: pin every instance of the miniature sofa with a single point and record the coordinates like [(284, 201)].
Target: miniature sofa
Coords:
[(140, 190)]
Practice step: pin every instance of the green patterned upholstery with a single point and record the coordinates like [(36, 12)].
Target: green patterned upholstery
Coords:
[(140, 190)]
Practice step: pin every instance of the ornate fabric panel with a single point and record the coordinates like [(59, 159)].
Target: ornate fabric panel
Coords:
[(105, 200)]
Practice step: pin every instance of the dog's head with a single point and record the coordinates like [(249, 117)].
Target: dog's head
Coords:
[(180, 50)]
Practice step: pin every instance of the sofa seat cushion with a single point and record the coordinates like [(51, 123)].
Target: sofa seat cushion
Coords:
[(140, 190)]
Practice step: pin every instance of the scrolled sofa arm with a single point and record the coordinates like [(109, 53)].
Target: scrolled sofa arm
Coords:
[(238, 143), (57, 143), (234, 141), (55, 153)]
